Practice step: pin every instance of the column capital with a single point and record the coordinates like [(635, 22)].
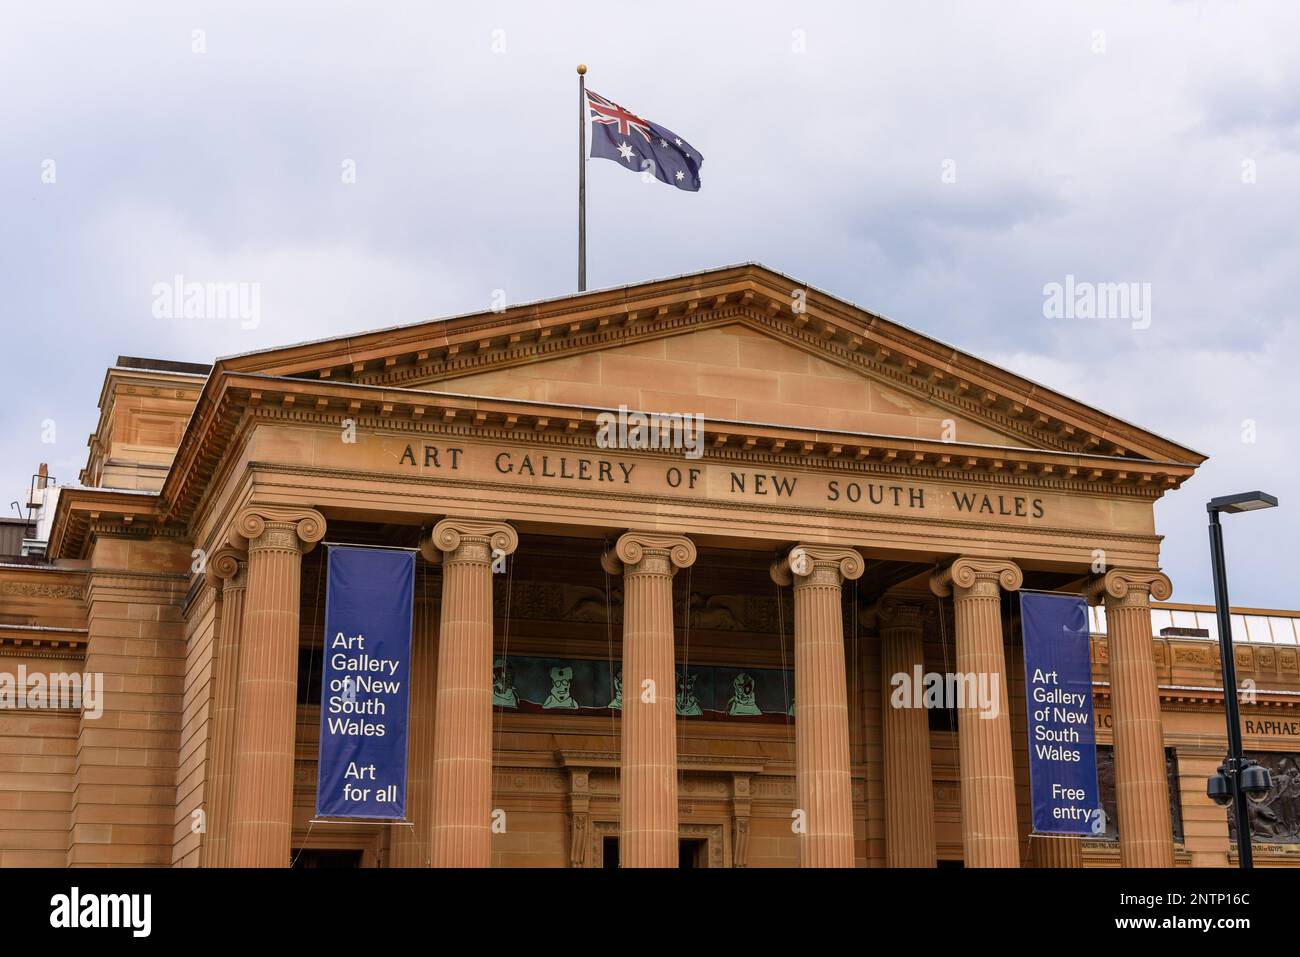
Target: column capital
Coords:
[(225, 567), (632, 548), (1128, 586), (903, 611), (274, 526), (806, 564), (975, 575), (461, 538)]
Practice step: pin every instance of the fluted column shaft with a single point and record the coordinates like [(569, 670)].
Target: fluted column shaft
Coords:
[(462, 726), (413, 846), (268, 685), (988, 785), (1057, 851), (909, 794), (1141, 783), (228, 571), (648, 756), (823, 783)]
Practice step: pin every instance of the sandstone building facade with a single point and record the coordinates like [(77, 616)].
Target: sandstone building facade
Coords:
[(864, 501)]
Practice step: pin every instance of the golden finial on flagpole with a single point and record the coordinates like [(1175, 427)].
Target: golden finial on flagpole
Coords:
[(582, 68)]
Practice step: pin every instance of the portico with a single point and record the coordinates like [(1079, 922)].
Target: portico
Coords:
[(867, 501)]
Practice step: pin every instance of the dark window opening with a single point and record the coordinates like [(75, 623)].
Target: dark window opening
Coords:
[(311, 668), (692, 852), (609, 852), (942, 719)]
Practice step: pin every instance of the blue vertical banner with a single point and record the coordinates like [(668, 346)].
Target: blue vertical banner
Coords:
[(365, 692), (1062, 725)]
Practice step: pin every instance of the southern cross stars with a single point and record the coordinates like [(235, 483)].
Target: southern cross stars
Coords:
[(660, 154)]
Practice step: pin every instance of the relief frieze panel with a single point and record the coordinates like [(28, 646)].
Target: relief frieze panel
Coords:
[(581, 686)]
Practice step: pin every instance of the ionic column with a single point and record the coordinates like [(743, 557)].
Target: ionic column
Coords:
[(262, 825), (226, 570), (1056, 851), (462, 724), (648, 761), (413, 846), (909, 794), (821, 729), (988, 784), (1141, 785)]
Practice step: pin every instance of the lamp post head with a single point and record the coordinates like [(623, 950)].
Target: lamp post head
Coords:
[(1242, 502)]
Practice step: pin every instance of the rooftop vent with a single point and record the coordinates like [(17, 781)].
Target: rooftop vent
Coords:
[(162, 365)]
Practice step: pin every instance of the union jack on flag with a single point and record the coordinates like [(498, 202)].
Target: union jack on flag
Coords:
[(638, 144)]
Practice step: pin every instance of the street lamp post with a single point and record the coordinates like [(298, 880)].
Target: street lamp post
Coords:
[(1237, 780)]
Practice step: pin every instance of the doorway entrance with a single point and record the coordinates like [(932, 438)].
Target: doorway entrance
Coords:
[(692, 852)]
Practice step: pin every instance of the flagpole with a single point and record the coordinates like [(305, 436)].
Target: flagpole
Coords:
[(582, 177)]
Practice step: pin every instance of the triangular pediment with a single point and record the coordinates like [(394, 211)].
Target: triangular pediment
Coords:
[(732, 372), (739, 343)]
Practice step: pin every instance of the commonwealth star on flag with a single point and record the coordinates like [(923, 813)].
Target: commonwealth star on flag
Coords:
[(638, 144)]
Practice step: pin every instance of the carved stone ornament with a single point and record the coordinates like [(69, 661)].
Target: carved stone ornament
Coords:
[(975, 575), (578, 840), (224, 566), (272, 526), (473, 540), (647, 551), (894, 611), (1128, 586), (810, 564)]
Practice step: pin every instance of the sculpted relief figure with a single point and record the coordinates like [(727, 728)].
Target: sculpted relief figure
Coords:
[(717, 612), (744, 697), (1276, 818), (616, 702), (503, 685), (561, 686), (687, 703), (584, 604)]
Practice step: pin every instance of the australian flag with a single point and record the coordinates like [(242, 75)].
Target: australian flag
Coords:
[(640, 145)]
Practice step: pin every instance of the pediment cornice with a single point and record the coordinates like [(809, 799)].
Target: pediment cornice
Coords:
[(82, 514), (779, 306)]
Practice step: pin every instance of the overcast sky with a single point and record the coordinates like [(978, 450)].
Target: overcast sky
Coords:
[(939, 163)]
